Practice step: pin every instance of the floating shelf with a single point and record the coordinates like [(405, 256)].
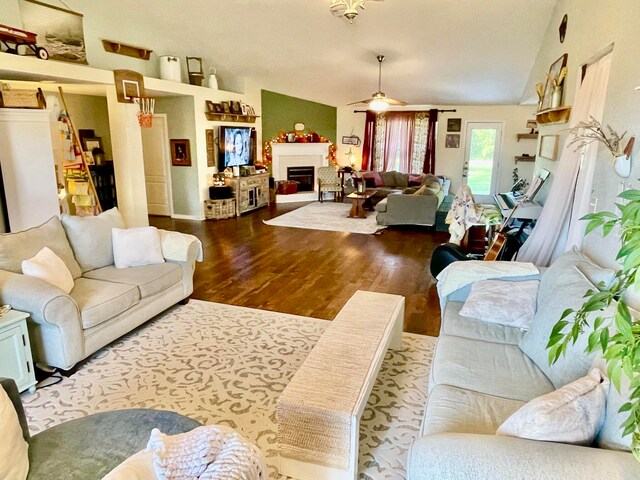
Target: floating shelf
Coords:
[(554, 115), (525, 158), (230, 117), (527, 136), (124, 49)]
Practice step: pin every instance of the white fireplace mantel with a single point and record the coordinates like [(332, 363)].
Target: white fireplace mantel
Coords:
[(285, 155)]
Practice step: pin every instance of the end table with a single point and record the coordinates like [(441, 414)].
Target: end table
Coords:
[(15, 351)]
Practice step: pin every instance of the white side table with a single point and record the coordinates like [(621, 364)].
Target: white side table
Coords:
[(15, 351)]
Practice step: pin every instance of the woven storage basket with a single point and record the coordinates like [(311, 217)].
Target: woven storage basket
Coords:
[(218, 209)]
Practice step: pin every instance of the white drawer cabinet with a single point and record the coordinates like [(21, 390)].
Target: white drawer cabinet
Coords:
[(15, 351)]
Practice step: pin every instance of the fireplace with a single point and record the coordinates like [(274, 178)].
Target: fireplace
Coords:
[(305, 177)]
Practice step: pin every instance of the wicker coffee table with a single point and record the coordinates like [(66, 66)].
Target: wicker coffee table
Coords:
[(360, 200)]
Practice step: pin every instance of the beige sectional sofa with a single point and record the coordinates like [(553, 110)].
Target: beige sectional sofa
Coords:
[(105, 302), (483, 372)]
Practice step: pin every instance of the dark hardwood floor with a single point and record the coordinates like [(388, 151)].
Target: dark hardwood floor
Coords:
[(311, 272)]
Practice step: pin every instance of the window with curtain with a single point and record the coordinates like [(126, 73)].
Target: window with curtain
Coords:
[(400, 141)]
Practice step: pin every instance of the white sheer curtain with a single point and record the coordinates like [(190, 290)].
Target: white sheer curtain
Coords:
[(549, 237), (398, 142)]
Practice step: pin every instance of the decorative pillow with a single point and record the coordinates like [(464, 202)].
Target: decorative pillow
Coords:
[(610, 435), (572, 414), (388, 179), (90, 238), (14, 460), (19, 246), (499, 301), (377, 179), (137, 467), (430, 178), (415, 179), (49, 267), (402, 180), (419, 191), (135, 247)]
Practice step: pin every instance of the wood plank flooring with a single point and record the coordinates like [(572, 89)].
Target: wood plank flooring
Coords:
[(311, 272)]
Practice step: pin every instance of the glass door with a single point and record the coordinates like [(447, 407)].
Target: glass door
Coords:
[(482, 155)]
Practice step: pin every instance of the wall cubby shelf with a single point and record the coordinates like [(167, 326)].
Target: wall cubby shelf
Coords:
[(124, 49), (231, 117), (554, 115), (527, 136), (525, 158)]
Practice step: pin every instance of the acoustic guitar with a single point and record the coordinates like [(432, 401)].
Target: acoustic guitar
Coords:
[(500, 239)]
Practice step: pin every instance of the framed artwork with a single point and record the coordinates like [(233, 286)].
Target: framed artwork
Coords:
[(548, 146), (554, 71), (211, 156), (236, 108), (218, 108), (250, 110), (60, 31), (225, 107), (210, 106), (243, 108), (452, 140), (454, 125), (88, 157), (180, 153), (351, 140), (90, 143)]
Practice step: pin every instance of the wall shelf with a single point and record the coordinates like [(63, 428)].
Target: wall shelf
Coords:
[(553, 115), (527, 136), (230, 117), (124, 49), (525, 158)]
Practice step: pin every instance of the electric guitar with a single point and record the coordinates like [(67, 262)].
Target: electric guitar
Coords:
[(500, 239)]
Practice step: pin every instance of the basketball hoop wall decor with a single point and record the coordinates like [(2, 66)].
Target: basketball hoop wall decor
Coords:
[(145, 112), (129, 85)]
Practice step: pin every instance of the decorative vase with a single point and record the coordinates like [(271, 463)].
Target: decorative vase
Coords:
[(213, 81), (556, 97)]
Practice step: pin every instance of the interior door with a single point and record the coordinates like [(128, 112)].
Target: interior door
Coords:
[(482, 159), (155, 146)]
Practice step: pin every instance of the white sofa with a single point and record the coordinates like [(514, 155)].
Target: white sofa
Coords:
[(105, 302), (483, 372)]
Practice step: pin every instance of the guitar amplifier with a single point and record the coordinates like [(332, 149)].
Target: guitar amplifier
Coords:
[(220, 193)]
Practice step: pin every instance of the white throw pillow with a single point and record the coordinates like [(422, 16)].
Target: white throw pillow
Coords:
[(134, 247), (49, 267), (572, 414), (500, 301), (14, 459), (136, 467)]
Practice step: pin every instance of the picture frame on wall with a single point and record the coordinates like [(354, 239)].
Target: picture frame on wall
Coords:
[(89, 143), (180, 152), (549, 147), (210, 106), (218, 108), (244, 108), (454, 125), (226, 108), (236, 109), (452, 140)]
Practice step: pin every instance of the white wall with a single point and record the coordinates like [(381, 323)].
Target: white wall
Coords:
[(450, 161), (590, 30)]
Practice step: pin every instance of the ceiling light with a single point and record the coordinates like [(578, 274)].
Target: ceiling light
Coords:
[(346, 8), (378, 105)]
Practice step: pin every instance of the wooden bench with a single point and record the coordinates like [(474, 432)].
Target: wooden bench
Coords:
[(319, 411)]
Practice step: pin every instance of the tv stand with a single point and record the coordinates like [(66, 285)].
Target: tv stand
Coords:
[(251, 192)]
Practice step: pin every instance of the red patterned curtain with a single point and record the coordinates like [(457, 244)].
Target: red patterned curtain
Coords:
[(430, 153), (398, 142), (369, 138)]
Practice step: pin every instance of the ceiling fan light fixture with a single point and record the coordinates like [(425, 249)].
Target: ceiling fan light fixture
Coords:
[(346, 8), (378, 105)]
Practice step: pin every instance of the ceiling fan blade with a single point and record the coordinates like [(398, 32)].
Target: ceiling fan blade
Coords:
[(393, 101), (368, 100)]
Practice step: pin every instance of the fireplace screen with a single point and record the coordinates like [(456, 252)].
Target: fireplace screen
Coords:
[(304, 176)]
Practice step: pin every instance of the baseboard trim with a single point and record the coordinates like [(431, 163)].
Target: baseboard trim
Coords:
[(178, 216)]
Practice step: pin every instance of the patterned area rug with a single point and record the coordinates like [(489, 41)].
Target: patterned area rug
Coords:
[(227, 365), (327, 216)]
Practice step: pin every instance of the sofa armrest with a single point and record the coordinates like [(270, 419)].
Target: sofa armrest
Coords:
[(459, 456), (55, 326), (188, 268)]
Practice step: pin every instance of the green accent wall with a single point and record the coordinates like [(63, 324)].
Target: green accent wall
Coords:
[(282, 112)]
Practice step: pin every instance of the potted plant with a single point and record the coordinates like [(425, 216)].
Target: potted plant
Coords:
[(617, 337)]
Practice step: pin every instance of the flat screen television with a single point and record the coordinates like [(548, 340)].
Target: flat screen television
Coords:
[(236, 146)]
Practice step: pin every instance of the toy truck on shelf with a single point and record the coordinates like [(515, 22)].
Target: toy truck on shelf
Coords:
[(12, 38)]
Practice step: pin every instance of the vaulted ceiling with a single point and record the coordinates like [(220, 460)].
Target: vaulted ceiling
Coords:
[(438, 51)]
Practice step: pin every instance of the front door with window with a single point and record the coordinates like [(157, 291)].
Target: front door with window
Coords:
[(482, 155)]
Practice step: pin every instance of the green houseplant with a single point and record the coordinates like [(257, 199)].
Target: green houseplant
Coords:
[(617, 336)]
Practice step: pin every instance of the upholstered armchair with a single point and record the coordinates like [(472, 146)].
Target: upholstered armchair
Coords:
[(328, 181)]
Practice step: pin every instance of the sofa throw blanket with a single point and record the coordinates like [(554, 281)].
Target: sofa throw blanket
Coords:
[(460, 274), (462, 215), (176, 244)]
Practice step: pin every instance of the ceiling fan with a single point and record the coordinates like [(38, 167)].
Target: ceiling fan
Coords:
[(379, 101), (347, 8)]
